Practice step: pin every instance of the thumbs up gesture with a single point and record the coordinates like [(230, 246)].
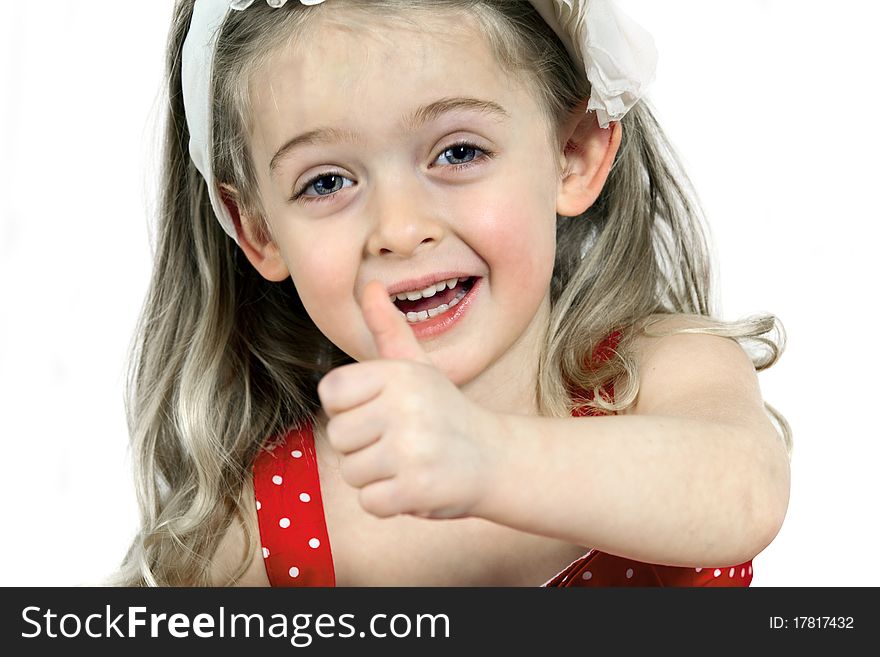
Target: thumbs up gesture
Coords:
[(409, 438)]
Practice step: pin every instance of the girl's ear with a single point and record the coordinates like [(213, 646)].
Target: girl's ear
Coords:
[(587, 158), (258, 246)]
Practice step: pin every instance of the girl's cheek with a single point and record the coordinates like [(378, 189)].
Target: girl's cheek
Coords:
[(517, 241), (321, 274)]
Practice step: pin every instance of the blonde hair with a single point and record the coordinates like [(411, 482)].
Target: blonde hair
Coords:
[(225, 360)]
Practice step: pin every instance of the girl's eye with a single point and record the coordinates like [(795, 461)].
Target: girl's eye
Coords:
[(325, 184), (460, 155)]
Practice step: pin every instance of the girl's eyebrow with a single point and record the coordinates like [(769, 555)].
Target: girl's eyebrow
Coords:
[(410, 123)]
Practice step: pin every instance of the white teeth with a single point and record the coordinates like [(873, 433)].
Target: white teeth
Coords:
[(429, 291), (442, 308), (413, 317)]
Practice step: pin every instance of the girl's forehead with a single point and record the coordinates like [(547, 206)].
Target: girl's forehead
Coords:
[(375, 73), (334, 46)]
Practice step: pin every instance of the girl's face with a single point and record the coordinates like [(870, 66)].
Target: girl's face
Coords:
[(408, 155)]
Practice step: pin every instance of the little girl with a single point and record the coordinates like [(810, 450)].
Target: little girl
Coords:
[(431, 307)]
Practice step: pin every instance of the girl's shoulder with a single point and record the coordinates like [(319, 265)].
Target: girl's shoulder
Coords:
[(683, 371), (232, 548)]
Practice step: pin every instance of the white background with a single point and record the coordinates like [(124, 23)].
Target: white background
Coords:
[(771, 104)]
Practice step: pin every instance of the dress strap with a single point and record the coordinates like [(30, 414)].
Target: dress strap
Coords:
[(293, 531), (603, 351)]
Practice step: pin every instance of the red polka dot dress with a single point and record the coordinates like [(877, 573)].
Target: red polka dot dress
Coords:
[(293, 532), (296, 548)]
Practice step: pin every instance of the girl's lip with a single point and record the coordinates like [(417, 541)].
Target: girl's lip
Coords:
[(445, 321), (425, 281)]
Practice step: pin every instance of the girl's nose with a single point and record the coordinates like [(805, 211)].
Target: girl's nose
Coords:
[(403, 220)]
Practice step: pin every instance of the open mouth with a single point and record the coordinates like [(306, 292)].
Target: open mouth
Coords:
[(421, 310)]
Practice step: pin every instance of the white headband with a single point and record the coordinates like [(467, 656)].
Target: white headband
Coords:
[(618, 56)]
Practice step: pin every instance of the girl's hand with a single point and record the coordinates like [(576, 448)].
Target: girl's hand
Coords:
[(409, 439)]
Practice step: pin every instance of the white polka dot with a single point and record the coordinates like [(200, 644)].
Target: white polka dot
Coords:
[(314, 542), (698, 569), (277, 480), (587, 575), (265, 553), (304, 497), (717, 572), (750, 570), (296, 454), (284, 523), (732, 571), (259, 505), (742, 572), (293, 572), (629, 573)]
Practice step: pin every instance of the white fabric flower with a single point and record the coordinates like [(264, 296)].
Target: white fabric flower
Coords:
[(619, 56)]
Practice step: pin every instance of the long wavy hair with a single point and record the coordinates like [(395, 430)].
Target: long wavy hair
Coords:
[(223, 359)]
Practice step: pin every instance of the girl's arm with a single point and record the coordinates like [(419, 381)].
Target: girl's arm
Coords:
[(693, 474)]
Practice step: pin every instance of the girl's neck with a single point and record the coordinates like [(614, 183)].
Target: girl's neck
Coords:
[(510, 384)]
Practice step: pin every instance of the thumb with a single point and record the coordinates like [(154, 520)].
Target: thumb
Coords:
[(391, 332)]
